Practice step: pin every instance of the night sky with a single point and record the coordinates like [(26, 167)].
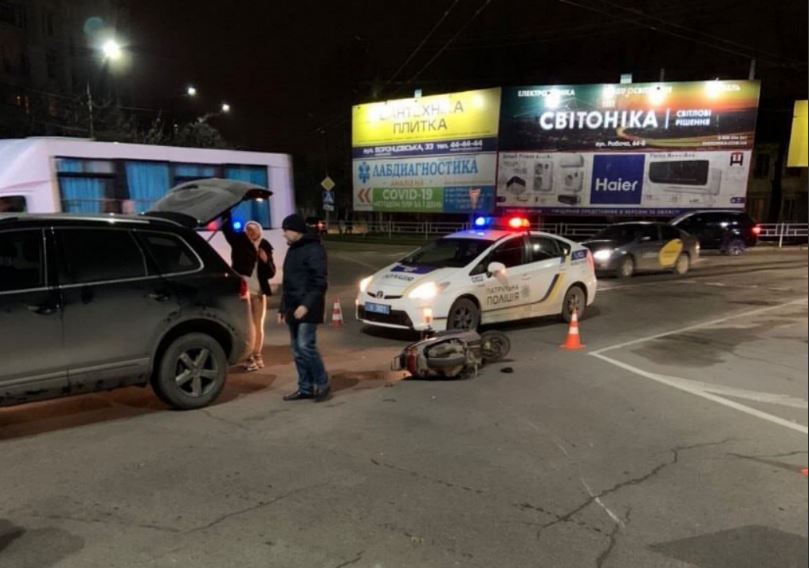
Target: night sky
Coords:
[(292, 70)]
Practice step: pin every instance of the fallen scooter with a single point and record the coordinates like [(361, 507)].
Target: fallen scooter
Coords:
[(452, 354)]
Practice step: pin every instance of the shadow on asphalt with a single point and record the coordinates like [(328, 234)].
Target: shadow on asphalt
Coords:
[(83, 410)]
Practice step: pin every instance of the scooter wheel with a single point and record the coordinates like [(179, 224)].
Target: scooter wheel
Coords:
[(494, 346)]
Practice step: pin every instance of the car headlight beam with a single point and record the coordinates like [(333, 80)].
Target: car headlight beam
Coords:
[(603, 255)]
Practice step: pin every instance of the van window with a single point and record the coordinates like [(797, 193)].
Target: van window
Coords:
[(98, 255), (21, 260), (13, 204)]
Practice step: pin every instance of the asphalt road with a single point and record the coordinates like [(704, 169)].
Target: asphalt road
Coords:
[(676, 439)]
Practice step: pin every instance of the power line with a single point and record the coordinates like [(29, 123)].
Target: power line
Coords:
[(420, 45), (701, 33), (663, 30), (453, 38)]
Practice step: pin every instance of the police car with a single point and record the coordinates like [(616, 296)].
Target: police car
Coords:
[(482, 276)]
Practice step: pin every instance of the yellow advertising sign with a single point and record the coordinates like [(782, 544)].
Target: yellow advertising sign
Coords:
[(454, 116), (798, 150)]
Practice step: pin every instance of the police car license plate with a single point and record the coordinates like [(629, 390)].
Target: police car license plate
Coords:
[(377, 308)]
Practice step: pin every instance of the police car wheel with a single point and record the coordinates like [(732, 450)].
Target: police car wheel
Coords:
[(683, 264), (626, 268), (463, 314), (575, 301)]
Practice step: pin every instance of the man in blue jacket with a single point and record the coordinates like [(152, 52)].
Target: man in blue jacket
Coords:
[(303, 306)]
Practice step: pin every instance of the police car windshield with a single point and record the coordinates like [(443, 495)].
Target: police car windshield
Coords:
[(447, 253), (621, 234)]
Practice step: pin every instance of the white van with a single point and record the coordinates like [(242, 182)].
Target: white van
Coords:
[(72, 175)]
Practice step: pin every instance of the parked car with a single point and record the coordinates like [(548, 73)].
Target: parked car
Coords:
[(317, 225), (480, 277), (714, 229), (624, 249), (102, 302)]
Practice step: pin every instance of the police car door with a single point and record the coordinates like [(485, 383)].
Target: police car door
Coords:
[(505, 296), (548, 270)]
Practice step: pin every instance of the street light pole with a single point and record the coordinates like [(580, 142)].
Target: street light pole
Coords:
[(90, 109)]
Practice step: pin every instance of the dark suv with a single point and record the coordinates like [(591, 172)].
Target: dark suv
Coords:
[(712, 227), (97, 303)]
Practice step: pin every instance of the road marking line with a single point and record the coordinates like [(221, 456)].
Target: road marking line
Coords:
[(601, 504), (699, 325), (684, 386)]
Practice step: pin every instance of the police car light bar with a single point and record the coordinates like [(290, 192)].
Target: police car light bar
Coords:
[(515, 223), (519, 223)]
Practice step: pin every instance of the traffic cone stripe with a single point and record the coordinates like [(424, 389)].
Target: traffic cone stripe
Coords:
[(337, 315)]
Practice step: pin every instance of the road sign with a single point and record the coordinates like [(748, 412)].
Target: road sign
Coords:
[(328, 201), (327, 183)]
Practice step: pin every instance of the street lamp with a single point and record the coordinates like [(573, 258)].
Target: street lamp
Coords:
[(191, 91), (225, 107), (111, 50)]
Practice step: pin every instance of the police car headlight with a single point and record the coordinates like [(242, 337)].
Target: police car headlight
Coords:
[(603, 255), (426, 291), (364, 283)]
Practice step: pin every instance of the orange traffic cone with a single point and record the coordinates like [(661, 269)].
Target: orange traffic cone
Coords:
[(337, 315), (573, 341)]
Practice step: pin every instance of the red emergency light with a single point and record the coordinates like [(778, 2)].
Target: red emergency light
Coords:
[(519, 223)]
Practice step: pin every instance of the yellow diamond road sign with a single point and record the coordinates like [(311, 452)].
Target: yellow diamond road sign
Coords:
[(327, 183)]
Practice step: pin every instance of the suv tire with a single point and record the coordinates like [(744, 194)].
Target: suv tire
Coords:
[(192, 372)]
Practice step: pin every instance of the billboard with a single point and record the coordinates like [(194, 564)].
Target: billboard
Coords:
[(632, 149), (430, 154), (798, 156)]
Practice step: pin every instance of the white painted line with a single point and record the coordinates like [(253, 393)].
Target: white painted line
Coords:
[(699, 325), (686, 387)]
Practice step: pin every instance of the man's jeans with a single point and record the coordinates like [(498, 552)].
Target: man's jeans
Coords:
[(312, 378)]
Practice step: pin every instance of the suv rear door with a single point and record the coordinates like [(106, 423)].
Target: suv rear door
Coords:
[(115, 306), (32, 355)]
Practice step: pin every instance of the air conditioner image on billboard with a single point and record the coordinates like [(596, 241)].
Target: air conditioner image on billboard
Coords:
[(543, 175), (572, 173), (685, 176)]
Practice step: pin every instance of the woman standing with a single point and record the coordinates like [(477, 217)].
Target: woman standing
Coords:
[(251, 257)]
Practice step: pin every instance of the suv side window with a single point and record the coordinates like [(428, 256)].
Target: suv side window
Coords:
[(169, 252), (22, 265), (545, 248), (99, 255)]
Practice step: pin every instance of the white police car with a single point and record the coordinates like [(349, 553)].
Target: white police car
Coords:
[(481, 276)]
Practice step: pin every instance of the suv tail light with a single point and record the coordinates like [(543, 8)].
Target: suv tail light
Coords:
[(757, 230), (590, 261), (244, 292)]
